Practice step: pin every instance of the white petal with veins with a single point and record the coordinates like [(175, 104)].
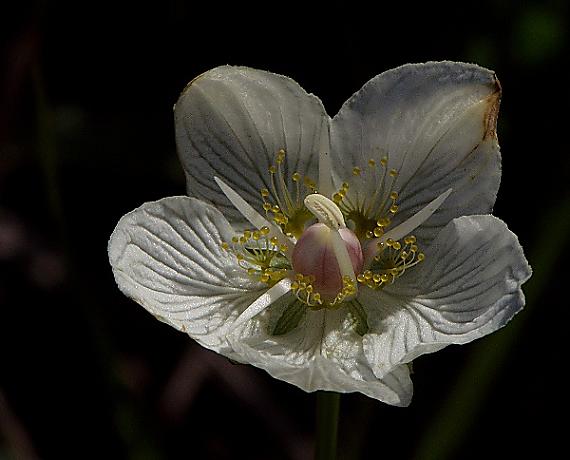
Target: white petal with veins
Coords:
[(232, 121), (469, 286), (435, 123), (166, 255)]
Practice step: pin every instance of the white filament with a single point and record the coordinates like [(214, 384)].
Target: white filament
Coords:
[(262, 302), (253, 216), (408, 226)]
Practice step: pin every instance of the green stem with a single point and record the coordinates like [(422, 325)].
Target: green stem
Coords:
[(327, 425)]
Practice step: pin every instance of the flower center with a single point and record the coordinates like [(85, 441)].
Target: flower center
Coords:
[(327, 261), (315, 260)]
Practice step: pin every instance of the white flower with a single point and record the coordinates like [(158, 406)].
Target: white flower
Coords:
[(330, 252)]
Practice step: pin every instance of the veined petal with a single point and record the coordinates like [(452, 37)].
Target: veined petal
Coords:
[(468, 286), (166, 256), (435, 124), (232, 121), (322, 353)]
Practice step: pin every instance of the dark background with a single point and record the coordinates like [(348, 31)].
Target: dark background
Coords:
[(86, 135)]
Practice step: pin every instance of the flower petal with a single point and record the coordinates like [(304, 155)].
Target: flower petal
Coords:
[(435, 123), (232, 121), (322, 353), (468, 286), (166, 256)]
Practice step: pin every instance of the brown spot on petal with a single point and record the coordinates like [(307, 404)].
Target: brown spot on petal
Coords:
[(491, 113)]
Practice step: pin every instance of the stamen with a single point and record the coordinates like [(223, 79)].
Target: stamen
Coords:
[(417, 219), (406, 227), (249, 213), (364, 208), (258, 253), (391, 262), (289, 212), (303, 289), (348, 291)]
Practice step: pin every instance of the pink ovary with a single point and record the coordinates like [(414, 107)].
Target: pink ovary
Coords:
[(314, 255)]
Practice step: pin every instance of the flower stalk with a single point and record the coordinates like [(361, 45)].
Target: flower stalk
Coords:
[(328, 404)]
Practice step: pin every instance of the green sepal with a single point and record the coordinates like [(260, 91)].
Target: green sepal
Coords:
[(358, 316), (279, 261), (290, 318)]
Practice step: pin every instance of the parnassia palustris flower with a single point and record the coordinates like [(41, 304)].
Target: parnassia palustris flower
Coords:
[(330, 252)]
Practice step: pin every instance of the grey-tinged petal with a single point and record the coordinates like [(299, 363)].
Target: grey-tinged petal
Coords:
[(436, 124), (166, 256), (468, 286), (232, 121), (322, 353)]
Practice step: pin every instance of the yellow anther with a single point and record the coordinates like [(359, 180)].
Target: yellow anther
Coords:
[(264, 230), (296, 177), (383, 222), (413, 248), (256, 235), (267, 206), (247, 234), (390, 242), (421, 256), (394, 195), (360, 278), (368, 275), (393, 173), (283, 248), (404, 255), (337, 197), (384, 277), (356, 171), (411, 239), (225, 246), (369, 234), (274, 241), (378, 232), (394, 208), (376, 278), (309, 182), (272, 169), (280, 156), (235, 239), (265, 278), (264, 192), (371, 163), (344, 186), (251, 271), (397, 246), (384, 161), (275, 208)]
